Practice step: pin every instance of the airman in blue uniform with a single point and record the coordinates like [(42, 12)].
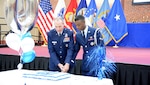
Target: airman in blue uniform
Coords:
[(85, 39), (60, 45)]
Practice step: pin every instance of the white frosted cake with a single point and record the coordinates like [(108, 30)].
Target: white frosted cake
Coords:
[(47, 75), (40, 77)]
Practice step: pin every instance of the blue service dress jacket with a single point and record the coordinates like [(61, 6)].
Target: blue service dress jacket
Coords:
[(87, 44), (60, 48)]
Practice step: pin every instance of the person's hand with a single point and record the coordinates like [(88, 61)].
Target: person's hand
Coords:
[(61, 66), (65, 68)]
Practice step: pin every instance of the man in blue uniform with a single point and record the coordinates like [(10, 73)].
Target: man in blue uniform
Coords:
[(60, 45), (85, 38)]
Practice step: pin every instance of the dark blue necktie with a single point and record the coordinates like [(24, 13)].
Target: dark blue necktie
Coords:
[(59, 34), (83, 34)]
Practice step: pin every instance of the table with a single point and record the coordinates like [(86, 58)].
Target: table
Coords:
[(41, 77)]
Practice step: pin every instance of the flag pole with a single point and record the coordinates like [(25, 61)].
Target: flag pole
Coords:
[(115, 46), (44, 45)]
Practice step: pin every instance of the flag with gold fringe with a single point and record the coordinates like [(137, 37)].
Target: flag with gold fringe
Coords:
[(116, 22)]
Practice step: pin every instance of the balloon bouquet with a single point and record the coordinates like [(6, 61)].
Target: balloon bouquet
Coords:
[(20, 17)]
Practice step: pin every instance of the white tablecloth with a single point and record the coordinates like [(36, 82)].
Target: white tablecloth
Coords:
[(40, 77)]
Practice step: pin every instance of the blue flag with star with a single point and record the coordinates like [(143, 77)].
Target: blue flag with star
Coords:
[(116, 22)]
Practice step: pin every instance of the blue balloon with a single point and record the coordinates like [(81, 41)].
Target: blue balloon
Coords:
[(28, 57)]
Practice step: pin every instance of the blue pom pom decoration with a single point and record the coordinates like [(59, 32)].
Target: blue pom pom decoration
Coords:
[(100, 64)]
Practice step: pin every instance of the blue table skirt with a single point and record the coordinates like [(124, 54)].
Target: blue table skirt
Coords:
[(138, 36)]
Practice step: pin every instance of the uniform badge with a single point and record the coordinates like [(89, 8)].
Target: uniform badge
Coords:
[(54, 42), (66, 45), (66, 39), (92, 43)]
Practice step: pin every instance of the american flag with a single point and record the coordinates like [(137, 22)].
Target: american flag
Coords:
[(45, 18)]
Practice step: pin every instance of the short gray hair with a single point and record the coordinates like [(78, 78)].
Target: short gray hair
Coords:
[(58, 19)]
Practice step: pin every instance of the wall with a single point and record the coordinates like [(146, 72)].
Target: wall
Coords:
[(136, 13)]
